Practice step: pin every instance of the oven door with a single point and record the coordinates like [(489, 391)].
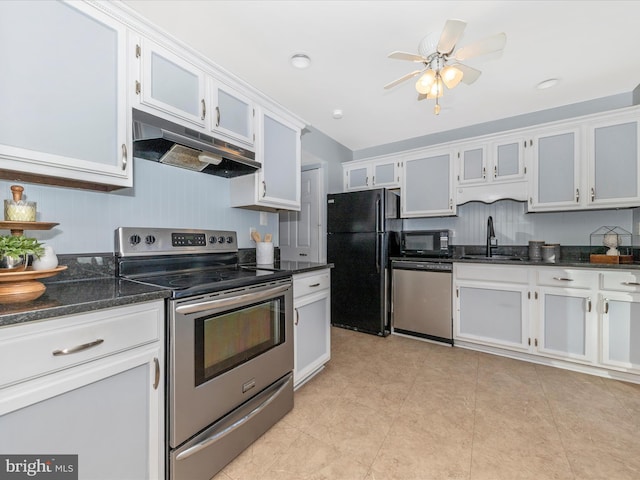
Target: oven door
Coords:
[(224, 349)]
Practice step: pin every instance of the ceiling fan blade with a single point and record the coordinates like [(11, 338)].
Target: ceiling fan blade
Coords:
[(412, 57), (491, 44), (469, 74), (402, 79), (422, 96), (451, 33)]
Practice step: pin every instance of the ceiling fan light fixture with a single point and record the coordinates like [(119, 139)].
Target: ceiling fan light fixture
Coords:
[(451, 76), (300, 60), (436, 89), (425, 82)]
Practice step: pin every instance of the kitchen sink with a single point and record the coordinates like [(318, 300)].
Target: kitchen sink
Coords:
[(512, 258)]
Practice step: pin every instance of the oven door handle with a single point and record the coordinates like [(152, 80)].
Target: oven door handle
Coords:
[(233, 301), (238, 423)]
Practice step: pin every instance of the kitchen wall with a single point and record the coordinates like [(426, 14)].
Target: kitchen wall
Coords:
[(514, 226), (162, 196), (320, 147)]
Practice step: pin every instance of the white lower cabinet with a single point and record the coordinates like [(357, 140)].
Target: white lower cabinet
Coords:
[(542, 311), (82, 396), (620, 321), (491, 306), (312, 324)]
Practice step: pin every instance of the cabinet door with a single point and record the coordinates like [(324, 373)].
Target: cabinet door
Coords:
[(556, 172), (567, 327), (312, 335), (279, 178), (620, 331), (357, 177), (171, 85), (614, 173), (492, 314), (386, 174), (234, 113), (508, 159), (427, 186), (108, 412), (473, 166), (63, 95)]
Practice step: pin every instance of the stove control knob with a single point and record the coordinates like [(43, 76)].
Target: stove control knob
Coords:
[(150, 240), (229, 239), (220, 239), (134, 239), (212, 239)]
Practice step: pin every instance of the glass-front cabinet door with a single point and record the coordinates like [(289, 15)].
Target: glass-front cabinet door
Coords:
[(63, 98), (620, 324), (472, 164), (171, 85), (233, 113), (508, 158), (357, 177)]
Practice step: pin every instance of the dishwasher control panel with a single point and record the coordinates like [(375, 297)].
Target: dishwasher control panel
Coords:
[(422, 265)]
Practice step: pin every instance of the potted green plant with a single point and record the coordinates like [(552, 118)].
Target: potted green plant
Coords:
[(15, 250)]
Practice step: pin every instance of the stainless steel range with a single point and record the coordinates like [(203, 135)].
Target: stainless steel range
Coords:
[(229, 342)]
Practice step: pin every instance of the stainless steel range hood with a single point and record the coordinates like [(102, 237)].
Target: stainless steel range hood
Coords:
[(163, 141)]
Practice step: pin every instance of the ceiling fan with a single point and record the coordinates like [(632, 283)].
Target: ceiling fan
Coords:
[(441, 64)]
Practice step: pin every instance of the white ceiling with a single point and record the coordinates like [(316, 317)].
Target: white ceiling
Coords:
[(591, 46)]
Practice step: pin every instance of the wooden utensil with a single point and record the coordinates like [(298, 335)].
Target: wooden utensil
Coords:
[(267, 237), (255, 236)]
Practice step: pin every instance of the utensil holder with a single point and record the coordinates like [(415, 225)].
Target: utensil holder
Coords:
[(264, 253)]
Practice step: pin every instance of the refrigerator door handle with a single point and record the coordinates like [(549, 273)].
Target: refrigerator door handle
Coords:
[(378, 248), (378, 213)]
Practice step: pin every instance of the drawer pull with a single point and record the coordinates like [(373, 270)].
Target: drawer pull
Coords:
[(297, 317), (563, 279), (314, 285), (77, 348), (631, 284), (156, 380)]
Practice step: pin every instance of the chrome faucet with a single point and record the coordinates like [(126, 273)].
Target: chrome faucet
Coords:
[(492, 241)]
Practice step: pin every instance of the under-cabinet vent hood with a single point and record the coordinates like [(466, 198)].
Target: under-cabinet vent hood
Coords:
[(163, 141)]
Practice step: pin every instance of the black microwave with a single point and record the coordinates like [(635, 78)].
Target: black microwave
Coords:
[(425, 243)]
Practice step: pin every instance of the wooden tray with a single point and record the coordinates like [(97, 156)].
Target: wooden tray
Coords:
[(29, 274), (610, 259)]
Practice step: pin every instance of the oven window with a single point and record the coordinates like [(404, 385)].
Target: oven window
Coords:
[(226, 340)]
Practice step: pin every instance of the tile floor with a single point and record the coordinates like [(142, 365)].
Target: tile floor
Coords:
[(399, 409)]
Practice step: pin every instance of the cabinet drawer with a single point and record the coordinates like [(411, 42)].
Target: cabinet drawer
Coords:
[(562, 277), (491, 273), (312, 282), (621, 281), (40, 348)]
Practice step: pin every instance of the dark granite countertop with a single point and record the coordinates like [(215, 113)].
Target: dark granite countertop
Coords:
[(570, 263), (294, 266)]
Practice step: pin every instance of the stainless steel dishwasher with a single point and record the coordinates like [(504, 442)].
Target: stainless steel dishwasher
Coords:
[(421, 299)]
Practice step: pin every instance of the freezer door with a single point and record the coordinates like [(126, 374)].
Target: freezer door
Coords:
[(356, 211), (359, 288)]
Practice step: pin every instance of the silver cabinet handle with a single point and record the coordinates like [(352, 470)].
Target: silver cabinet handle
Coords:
[(204, 109), (264, 189), (588, 304), (563, 279), (297, 317), (484, 172), (77, 348), (366, 181), (577, 195), (124, 156), (606, 305), (631, 284), (156, 381), (593, 194), (314, 285), (217, 116), (495, 171)]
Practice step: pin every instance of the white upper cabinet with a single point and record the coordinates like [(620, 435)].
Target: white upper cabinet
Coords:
[(171, 86), (427, 184), (555, 176), (233, 113), (614, 176), (64, 115), (590, 163), (277, 184), (483, 164), (381, 172)]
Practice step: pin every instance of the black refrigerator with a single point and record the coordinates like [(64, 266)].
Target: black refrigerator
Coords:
[(362, 233)]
